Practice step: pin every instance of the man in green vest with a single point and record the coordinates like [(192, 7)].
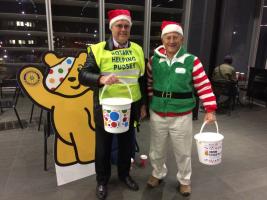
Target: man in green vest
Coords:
[(108, 63), (173, 76)]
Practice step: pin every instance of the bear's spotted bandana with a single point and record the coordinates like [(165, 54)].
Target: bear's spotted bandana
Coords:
[(58, 73)]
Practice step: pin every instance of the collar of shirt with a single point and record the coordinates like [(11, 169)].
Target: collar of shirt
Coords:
[(171, 61), (117, 45)]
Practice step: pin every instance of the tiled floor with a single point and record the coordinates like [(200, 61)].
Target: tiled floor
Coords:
[(241, 176)]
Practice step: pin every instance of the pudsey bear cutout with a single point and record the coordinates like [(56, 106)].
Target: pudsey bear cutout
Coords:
[(70, 104)]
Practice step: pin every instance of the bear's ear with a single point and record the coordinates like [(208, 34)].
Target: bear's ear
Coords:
[(51, 59)]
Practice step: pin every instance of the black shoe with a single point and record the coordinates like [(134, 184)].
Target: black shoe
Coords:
[(131, 184), (101, 191)]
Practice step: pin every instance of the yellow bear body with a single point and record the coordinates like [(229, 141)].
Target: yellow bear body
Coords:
[(70, 105)]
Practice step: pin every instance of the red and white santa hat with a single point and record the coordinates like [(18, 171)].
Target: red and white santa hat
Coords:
[(58, 73), (116, 15), (170, 26)]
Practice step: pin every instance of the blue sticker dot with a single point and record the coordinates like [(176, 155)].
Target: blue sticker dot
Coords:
[(69, 61), (114, 116), (126, 124)]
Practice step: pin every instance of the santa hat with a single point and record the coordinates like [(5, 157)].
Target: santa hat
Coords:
[(58, 73), (169, 26), (116, 15)]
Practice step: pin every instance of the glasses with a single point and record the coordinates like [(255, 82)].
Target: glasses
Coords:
[(120, 26)]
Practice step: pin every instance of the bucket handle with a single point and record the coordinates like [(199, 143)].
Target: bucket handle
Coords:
[(105, 87), (204, 124)]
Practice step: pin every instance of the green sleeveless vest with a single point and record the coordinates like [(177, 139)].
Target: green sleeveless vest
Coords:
[(175, 78), (128, 64)]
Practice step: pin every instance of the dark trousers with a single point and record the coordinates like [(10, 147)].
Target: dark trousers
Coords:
[(104, 146)]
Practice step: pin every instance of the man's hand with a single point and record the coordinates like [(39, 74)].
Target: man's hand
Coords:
[(210, 117), (108, 80), (143, 112)]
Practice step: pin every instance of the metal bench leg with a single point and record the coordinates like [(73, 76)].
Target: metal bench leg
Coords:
[(40, 120), (1, 107), (16, 112), (31, 113), (45, 147)]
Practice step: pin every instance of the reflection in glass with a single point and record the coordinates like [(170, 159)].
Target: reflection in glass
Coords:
[(75, 25), (126, 2), (167, 3), (23, 36), (23, 28)]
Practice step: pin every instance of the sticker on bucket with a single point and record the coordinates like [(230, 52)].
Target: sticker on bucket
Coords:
[(116, 112), (116, 118), (209, 146)]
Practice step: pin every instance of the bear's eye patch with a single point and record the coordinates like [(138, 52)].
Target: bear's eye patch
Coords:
[(71, 79)]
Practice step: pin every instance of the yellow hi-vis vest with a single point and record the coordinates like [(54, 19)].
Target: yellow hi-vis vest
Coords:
[(127, 64)]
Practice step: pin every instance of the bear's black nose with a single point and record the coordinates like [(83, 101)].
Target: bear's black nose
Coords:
[(72, 79)]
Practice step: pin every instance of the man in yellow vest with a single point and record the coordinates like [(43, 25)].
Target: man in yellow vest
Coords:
[(107, 63)]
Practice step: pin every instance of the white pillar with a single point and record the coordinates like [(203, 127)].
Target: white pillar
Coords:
[(49, 25), (101, 13), (186, 20), (147, 26)]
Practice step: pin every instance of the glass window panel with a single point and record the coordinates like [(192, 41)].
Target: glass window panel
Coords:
[(241, 34), (137, 13), (127, 2), (23, 7), (75, 25), (264, 16), (23, 34), (167, 3), (160, 16), (261, 58)]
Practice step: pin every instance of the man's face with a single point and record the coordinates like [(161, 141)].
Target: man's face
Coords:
[(172, 42), (121, 31)]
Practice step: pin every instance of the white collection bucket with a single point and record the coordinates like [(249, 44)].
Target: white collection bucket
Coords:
[(116, 112), (209, 146)]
